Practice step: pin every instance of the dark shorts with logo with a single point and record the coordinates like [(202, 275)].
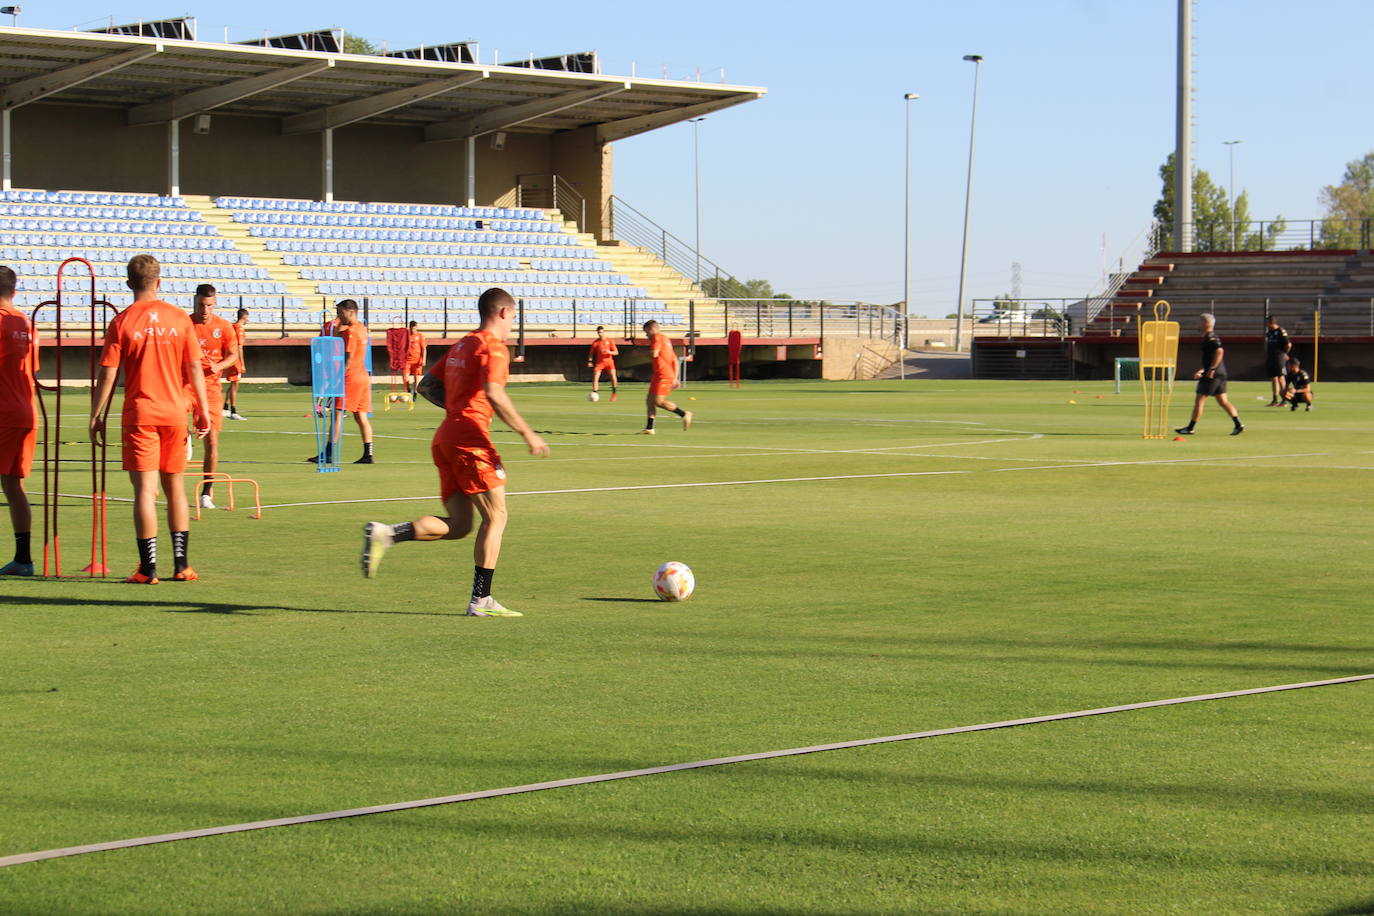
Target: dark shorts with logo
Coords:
[(1276, 364), (1212, 386)]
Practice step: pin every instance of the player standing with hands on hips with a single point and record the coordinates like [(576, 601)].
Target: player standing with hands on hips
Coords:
[(469, 383), (1211, 378), (663, 379), (156, 344)]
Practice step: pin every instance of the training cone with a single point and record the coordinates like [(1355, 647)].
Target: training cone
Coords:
[(1178, 438), (1099, 397), (1072, 401)]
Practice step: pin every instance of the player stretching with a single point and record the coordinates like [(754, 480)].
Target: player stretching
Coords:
[(415, 359), (233, 373), (357, 397), (1211, 378), (18, 421), (218, 353), (663, 380), (1299, 387), (156, 344), (1276, 349), (469, 383), (601, 357)]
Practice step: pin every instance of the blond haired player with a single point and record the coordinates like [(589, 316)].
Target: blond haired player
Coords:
[(470, 384), (663, 379), (218, 353), (18, 420), (156, 344)]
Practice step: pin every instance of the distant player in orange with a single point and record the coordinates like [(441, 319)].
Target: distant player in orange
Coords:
[(357, 398), (470, 384), (18, 420), (601, 357), (218, 353), (156, 344), (233, 373), (415, 358), (663, 380)]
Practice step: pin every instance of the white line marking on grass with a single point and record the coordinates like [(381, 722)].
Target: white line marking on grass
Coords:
[(40, 856), (737, 483)]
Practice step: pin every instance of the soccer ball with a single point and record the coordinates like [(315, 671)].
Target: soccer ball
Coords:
[(674, 581), (593, 397)]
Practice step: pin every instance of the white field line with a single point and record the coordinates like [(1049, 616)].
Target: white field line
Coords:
[(737, 483), (42, 855)]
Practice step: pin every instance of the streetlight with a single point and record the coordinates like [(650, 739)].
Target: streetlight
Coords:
[(1235, 210), (696, 168), (13, 12), (906, 242), (976, 60)]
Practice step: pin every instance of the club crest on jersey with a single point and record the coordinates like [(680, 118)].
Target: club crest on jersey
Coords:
[(215, 333)]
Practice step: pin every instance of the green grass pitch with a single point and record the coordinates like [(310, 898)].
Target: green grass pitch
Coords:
[(1040, 558)]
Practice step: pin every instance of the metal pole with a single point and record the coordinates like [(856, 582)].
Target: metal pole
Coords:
[(696, 168), (1183, 145), (1235, 209), (977, 61), (471, 172), (906, 238), (174, 158), (6, 156), (327, 165)]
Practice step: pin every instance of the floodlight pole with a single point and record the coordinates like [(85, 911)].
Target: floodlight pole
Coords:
[(1235, 209), (906, 241), (977, 61), (1183, 143), (696, 169)]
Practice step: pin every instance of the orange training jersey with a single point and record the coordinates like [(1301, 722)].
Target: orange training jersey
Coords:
[(239, 333), (356, 343), (215, 336), (665, 358), (470, 364), (603, 349), (416, 353), (16, 370), (157, 346)]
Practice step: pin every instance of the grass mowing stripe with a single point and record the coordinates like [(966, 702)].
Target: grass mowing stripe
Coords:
[(64, 852)]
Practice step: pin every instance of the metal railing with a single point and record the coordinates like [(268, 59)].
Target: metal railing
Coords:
[(1144, 246), (1275, 235), (1024, 317), (624, 223), (1341, 316), (552, 192)]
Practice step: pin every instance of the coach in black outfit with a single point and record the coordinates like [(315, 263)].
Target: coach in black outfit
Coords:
[(1211, 378), (1276, 349)]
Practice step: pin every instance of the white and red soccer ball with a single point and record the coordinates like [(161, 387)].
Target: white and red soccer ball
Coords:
[(674, 581)]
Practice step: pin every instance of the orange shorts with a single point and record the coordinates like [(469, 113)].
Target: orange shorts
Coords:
[(662, 387), (606, 365), (232, 374), (16, 450), (155, 448), (415, 368), (467, 470), (357, 396)]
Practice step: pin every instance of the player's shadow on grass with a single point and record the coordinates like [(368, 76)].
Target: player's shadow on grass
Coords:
[(627, 600), (1361, 908), (192, 606)]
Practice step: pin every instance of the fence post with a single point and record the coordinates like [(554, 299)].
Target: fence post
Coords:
[(758, 318), (691, 327), (406, 310), (574, 308), (821, 309), (445, 331), (665, 245), (367, 311), (1311, 234), (789, 320), (283, 313)]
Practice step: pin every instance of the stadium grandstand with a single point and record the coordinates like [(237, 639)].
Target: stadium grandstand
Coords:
[(1320, 289), (291, 175)]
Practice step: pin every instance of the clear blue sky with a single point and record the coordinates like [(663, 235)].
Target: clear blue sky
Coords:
[(804, 188)]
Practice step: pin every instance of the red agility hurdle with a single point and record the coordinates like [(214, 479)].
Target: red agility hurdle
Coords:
[(97, 321)]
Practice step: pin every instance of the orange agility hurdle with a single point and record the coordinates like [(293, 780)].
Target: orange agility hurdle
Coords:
[(229, 481)]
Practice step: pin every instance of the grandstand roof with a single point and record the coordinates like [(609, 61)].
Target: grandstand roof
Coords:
[(157, 80)]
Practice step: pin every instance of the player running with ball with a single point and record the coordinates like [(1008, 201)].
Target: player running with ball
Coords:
[(469, 383), (663, 380)]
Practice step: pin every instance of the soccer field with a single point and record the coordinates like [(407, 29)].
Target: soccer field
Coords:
[(872, 559)]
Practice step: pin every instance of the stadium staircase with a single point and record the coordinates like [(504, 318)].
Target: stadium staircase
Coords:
[(1240, 288)]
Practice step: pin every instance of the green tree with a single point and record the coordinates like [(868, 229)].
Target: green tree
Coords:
[(1350, 206), (1213, 216), (356, 44)]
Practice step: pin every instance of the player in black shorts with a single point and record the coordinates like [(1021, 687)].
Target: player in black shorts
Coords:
[(1299, 386), (1211, 379), (1276, 349)]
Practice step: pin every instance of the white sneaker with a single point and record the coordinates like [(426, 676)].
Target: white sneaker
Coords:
[(206, 502), (645, 432), (225, 412), (489, 607), (235, 415), (377, 539), (190, 446)]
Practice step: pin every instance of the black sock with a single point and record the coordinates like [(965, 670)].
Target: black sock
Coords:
[(1236, 420), (649, 423), (481, 582), (367, 449), (147, 556), (180, 542), (403, 531), (21, 547), (679, 411)]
